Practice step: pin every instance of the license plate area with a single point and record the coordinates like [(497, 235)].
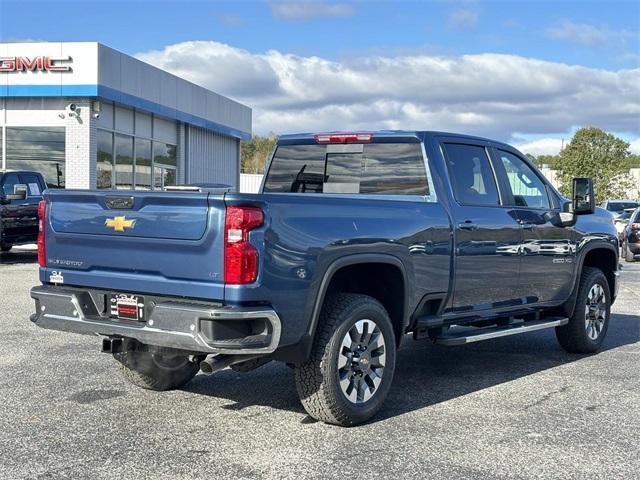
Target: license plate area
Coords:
[(127, 307)]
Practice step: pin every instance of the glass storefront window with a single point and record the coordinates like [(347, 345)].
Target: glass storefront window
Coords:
[(164, 153), (131, 161), (143, 164), (163, 177), (124, 162), (104, 169), (40, 149)]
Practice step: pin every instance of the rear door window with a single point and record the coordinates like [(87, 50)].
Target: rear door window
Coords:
[(372, 169), (472, 177)]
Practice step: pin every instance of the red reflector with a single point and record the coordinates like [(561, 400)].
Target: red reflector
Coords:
[(343, 137), (240, 257), (42, 218)]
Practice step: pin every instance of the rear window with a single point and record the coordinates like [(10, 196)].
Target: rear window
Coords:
[(619, 207), (33, 183), (373, 169)]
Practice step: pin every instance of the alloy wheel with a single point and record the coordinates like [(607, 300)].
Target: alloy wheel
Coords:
[(595, 311), (361, 361)]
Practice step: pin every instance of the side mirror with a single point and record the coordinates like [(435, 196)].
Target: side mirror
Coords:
[(584, 201), (19, 192)]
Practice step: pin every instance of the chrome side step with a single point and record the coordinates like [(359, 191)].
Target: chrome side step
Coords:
[(471, 335)]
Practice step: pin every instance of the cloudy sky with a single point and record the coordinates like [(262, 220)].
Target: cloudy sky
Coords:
[(526, 72)]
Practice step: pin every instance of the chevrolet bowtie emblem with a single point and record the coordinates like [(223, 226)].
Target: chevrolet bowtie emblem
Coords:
[(119, 223)]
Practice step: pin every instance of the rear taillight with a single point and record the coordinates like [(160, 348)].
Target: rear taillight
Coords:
[(343, 137), (240, 257), (635, 227), (42, 218)]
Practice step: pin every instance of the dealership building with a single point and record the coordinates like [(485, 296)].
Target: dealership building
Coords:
[(88, 116)]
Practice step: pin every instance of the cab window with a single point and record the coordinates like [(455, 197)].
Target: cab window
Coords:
[(526, 186)]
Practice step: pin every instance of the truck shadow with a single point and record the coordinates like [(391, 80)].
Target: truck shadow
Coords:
[(16, 256), (426, 374)]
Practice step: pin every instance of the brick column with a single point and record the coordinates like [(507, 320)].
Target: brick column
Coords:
[(80, 147)]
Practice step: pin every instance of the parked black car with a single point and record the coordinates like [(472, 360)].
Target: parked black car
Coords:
[(631, 237), (20, 192)]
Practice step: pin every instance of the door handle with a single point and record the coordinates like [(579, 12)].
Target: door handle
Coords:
[(467, 225), (528, 225)]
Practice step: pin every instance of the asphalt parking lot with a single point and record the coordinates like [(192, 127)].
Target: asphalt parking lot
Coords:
[(509, 408)]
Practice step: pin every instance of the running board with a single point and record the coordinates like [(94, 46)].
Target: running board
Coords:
[(480, 334)]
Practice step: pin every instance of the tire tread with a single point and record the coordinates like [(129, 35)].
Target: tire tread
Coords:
[(315, 394), (572, 336)]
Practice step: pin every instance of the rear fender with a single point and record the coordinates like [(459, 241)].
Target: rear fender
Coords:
[(348, 261)]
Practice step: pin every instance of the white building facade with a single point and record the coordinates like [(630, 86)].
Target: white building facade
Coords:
[(88, 116)]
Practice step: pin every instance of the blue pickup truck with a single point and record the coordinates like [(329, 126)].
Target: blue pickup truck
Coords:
[(355, 240)]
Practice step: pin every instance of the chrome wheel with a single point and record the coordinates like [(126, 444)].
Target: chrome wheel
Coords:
[(361, 361), (595, 311)]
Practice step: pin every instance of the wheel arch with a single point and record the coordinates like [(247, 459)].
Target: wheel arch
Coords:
[(360, 263), (602, 255)]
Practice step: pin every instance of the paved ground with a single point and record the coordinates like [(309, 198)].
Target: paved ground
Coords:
[(509, 408)]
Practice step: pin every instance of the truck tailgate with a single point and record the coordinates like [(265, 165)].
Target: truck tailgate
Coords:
[(165, 243)]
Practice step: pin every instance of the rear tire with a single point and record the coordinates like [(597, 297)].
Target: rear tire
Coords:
[(5, 247), (589, 323), (349, 372), (154, 371)]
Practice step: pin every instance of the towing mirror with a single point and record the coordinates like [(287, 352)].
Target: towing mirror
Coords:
[(584, 201), (19, 192)]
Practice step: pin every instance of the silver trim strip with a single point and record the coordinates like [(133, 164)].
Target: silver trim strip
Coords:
[(498, 332)]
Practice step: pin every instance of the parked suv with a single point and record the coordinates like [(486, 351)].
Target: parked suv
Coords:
[(355, 240), (20, 193), (631, 237)]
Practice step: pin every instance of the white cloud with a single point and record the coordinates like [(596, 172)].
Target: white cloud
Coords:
[(634, 146), (305, 10), (464, 18), (589, 35), (542, 146), (486, 94)]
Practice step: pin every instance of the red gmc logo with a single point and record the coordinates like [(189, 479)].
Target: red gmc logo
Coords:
[(35, 64)]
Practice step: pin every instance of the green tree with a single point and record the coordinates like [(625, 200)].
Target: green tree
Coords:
[(600, 155), (254, 153)]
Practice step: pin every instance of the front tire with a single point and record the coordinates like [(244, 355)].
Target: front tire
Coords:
[(349, 372), (154, 371), (589, 323), (5, 247)]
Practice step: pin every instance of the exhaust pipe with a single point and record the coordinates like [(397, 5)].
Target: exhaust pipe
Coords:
[(215, 363)]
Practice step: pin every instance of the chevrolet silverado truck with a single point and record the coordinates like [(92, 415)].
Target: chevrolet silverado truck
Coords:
[(355, 240), (20, 194)]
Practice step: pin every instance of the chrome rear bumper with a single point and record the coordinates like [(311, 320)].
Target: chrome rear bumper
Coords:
[(173, 323)]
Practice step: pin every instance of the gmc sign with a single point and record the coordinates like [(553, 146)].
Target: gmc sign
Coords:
[(35, 64)]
